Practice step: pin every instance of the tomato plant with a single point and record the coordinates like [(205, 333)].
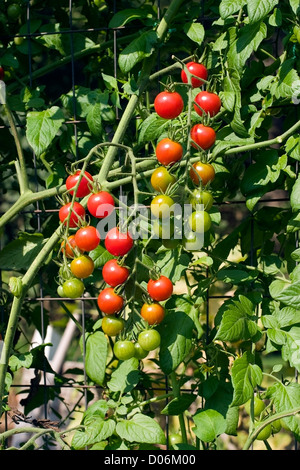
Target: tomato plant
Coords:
[(114, 87), (109, 301), (168, 151), (168, 104), (84, 182)]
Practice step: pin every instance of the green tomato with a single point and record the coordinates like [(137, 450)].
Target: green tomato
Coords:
[(14, 11), (124, 349), (112, 325), (18, 40), (259, 406), (73, 288), (149, 339), (200, 221), (201, 197), (171, 244), (60, 291), (265, 433), (174, 439), (140, 353), (276, 426)]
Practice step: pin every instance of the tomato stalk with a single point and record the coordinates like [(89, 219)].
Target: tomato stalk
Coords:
[(176, 391)]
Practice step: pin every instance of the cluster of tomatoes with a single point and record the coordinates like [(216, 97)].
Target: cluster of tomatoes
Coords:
[(169, 104)]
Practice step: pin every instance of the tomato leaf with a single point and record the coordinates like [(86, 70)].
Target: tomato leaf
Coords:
[(258, 10), (137, 50), (42, 127), (179, 405), (209, 425), (95, 431), (20, 253), (228, 7), (195, 32), (125, 377), (246, 375), (140, 428), (286, 397), (126, 16), (151, 128), (96, 355)]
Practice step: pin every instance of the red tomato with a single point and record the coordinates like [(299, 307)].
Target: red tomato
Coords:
[(160, 289), (168, 104), (87, 238), (202, 172), (153, 313), (204, 136), (109, 302), (195, 69), (209, 103), (84, 187), (70, 247), (118, 243), (2, 73), (114, 274), (77, 214), (168, 152), (100, 204)]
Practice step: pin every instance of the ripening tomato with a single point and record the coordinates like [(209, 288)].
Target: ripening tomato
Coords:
[(168, 104), (204, 136), (2, 73), (149, 339), (112, 325), (200, 221), (153, 313), (209, 103), (69, 247), (162, 206), (77, 214), (114, 273), (87, 238), (124, 349), (200, 196), (168, 151), (202, 172), (160, 289), (118, 243), (161, 179), (100, 204), (84, 187), (73, 288), (82, 266), (199, 70), (109, 302)]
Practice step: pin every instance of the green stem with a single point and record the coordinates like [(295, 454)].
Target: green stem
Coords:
[(22, 173), (176, 392)]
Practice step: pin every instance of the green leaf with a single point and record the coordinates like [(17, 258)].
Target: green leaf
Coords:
[(19, 361), (151, 128), (100, 255), (96, 431), (94, 120), (295, 196), (236, 276), (246, 375), (292, 147), (137, 50), (258, 10), (140, 428), (229, 7), (195, 32), (176, 340), (286, 397), (19, 254), (288, 294), (126, 16), (287, 77), (178, 405), (238, 321), (42, 127), (96, 355), (125, 377), (209, 425), (173, 263)]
